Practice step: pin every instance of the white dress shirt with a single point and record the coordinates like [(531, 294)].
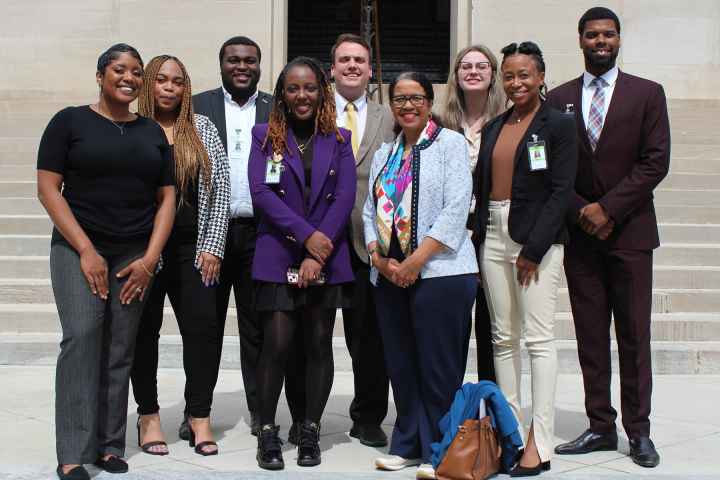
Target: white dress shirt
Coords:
[(360, 106), (610, 78), (239, 121)]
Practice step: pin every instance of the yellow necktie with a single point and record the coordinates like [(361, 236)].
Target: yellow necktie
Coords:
[(351, 124)]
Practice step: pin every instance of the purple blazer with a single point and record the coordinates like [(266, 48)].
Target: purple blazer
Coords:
[(285, 222)]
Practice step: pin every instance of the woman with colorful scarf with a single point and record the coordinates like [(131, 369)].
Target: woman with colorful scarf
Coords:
[(420, 188)]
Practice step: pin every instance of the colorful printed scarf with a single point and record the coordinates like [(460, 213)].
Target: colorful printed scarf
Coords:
[(394, 191)]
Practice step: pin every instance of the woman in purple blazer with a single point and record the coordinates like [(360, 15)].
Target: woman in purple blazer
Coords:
[(302, 182)]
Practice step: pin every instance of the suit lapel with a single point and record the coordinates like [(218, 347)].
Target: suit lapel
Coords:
[(262, 108), (372, 127), (322, 153), (217, 107), (294, 160), (579, 115), (616, 102), (537, 123)]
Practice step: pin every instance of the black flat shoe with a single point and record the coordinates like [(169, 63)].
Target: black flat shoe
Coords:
[(200, 447), (112, 465), (77, 473), (294, 433), (184, 430), (145, 447), (643, 453), (269, 450), (519, 471), (369, 435), (589, 442), (309, 446)]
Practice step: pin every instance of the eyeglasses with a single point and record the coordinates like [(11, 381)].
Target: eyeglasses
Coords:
[(480, 66), (415, 100)]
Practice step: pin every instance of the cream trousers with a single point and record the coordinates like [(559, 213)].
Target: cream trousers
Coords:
[(529, 312)]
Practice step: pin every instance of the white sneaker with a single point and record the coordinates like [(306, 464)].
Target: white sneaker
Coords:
[(425, 471), (396, 462)]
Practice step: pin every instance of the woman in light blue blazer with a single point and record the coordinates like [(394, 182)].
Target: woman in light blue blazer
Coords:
[(423, 267)]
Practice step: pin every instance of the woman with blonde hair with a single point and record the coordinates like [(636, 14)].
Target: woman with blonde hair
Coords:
[(192, 258), (474, 96)]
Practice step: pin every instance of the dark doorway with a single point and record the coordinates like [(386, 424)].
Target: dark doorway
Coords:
[(414, 34)]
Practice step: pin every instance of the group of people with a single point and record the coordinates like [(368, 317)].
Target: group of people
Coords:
[(311, 200)]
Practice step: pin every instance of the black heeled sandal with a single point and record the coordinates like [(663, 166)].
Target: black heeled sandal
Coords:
[(199, 447), (145, 447)]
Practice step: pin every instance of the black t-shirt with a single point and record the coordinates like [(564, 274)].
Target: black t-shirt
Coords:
[(110, 175), (185, 229)]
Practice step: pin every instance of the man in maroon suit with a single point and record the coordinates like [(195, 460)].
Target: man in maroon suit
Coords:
[(624, 153)]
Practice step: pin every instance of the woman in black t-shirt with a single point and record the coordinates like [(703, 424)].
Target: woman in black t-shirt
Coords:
[(105, 177), (191, 258)]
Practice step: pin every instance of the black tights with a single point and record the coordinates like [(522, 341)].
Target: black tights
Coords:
[(279, 333)]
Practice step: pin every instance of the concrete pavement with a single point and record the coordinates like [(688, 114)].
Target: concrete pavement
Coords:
[(685, 419)]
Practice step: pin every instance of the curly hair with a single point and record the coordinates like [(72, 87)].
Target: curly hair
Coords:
[(190, 153), (325, 121), (533, 51)]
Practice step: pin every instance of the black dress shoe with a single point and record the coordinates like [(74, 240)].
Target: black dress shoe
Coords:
[(309, 446), (588, 442), (519, 471), (254, 424), (643, 453), (112, 465), (294, 433), (77, 473), (184, 430), (370, 435), (269, 450)]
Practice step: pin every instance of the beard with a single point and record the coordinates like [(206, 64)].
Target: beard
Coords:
[(601, 62), (244, 92)]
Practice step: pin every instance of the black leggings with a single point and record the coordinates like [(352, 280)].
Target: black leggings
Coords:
[(279, 334), (194, 307)]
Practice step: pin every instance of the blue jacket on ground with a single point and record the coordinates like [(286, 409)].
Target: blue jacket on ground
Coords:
[(466, 405)]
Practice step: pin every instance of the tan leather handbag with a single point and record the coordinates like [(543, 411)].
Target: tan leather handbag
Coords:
[(474, 453)]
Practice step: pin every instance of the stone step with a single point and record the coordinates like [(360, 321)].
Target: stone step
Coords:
[(687, 196), (691, 180), (665, 300), (16, 212), (668, 358), (679, 327), (18, 188), (689, 233)]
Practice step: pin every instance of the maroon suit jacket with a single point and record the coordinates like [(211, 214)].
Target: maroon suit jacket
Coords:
[(631, 159), (286, 221)]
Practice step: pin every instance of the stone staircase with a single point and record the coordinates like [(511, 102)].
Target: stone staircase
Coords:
[(686, 296)]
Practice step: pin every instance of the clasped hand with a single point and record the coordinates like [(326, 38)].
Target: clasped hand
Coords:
[(403, 274), (319, 246), (595, 221)]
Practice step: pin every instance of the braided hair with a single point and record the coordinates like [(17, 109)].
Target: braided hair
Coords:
[(325, 121), (532, 50), (190, 153)]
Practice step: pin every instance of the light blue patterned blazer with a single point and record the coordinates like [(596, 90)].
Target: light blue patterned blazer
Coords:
[(444, 190)]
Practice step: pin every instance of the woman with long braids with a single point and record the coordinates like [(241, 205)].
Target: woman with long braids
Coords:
[(192, 258), (302, 182), (105, 178)]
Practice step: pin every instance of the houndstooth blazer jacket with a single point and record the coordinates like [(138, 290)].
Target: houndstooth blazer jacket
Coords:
[(213, 204)]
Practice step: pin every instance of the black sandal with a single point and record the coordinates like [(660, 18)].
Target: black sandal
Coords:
[(199, 447), (145, 447)]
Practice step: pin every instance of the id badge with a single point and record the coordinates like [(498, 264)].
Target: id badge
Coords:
[(537, 155), (273, 169)]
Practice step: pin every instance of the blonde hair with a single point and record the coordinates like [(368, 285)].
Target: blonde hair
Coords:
[(189, 151), (453, 107)]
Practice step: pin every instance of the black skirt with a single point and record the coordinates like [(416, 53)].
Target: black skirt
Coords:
[(281, 297)]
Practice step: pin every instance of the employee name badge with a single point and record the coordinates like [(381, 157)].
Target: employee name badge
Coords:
[(537, 154), (273, 169)]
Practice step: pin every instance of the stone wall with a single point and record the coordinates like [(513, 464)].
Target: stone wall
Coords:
[(676, 44)]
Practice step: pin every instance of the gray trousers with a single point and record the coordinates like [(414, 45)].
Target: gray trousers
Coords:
[(96, 353)]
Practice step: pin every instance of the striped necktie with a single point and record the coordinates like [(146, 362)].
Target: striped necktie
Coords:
[(352, 125), (597, 109)]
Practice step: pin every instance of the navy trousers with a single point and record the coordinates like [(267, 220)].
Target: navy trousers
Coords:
[(424, 332)]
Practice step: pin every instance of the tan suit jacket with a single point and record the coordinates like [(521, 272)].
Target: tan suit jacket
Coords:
[(378, 130)]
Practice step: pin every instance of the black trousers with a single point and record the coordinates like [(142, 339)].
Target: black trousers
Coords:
[(236, 274), (483, 338), (607, 284), (195, 310), (362, 336)]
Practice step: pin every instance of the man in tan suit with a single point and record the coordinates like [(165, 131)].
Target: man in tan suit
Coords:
[(371, 125)]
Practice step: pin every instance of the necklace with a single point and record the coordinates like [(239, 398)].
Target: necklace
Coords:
[(303, 146), (120, 125)]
